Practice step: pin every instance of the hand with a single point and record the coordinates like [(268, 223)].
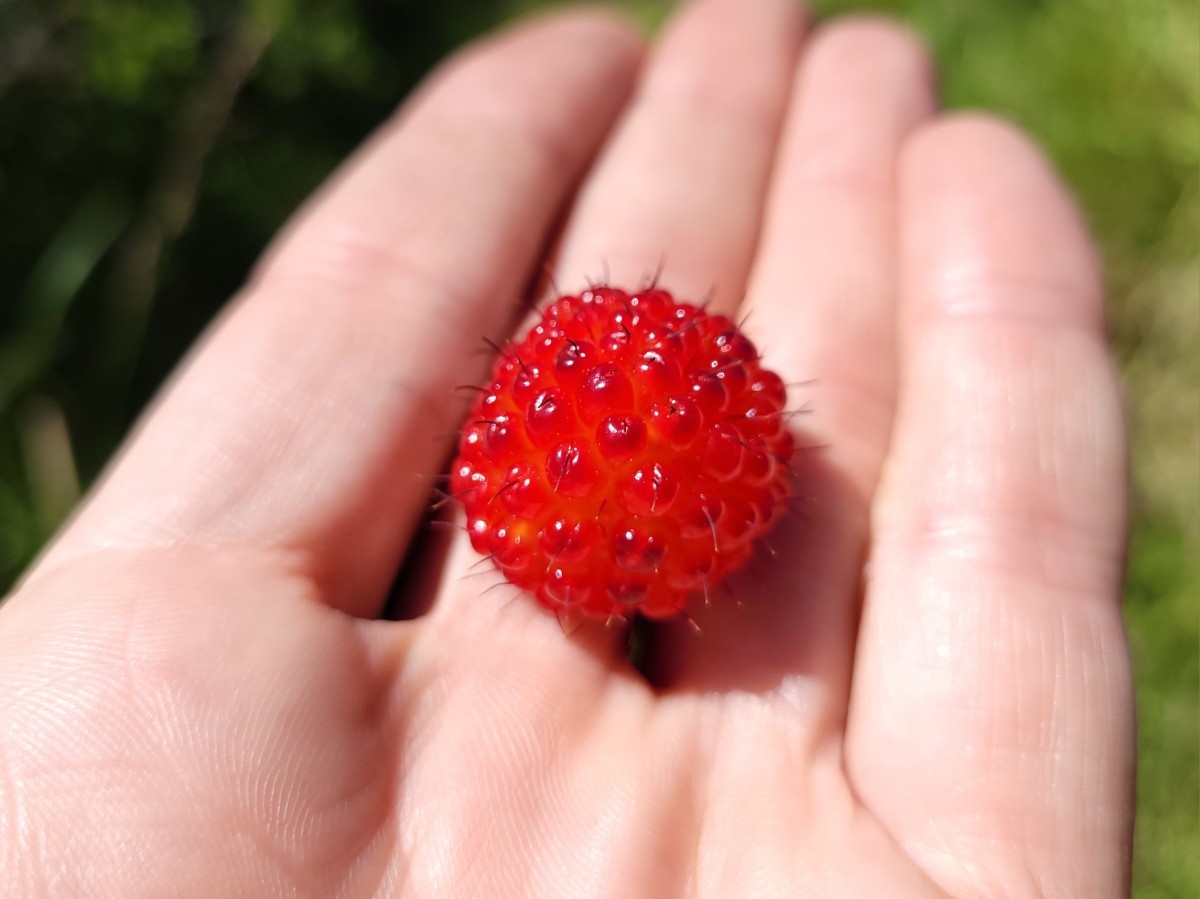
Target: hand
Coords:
[(197, 699)]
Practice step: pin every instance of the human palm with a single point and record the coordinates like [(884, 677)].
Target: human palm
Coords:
[(924, 692)]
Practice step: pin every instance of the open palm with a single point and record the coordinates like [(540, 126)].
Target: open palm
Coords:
[(926, 693)]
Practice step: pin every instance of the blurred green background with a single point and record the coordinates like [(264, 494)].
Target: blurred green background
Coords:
[(149, 149)]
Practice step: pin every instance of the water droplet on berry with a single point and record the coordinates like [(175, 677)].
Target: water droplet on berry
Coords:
[(733, 345), (524, 494), (758, 465), (477, 528), (606, 298), (573, 360), (654, 304), (566, 308), (471, 444), (723, 453), (506, 368), (708, 393), (568, 542), (565, 591), (620, 436), (677, 421), (770, 386), (501, 437), (605, 390), (571, 470), (662, 603), (740, 522), (616, 343), (701, 518), (733, 378), (491, 404), (668, 343), (527, 383), (466, 483), (637, 550), (627, 592), (683, 314), (658, 372), (548, 417), (510, 546), (763, 418), (649, 490)]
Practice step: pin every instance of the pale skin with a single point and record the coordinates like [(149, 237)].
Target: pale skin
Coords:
[(927, 694)]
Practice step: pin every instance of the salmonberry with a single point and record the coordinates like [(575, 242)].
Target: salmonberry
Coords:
[(627, 453)]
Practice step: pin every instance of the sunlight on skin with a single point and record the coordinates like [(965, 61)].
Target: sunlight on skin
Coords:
[(198, 701)]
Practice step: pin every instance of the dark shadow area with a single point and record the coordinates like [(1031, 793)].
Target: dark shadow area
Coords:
[(416, 583)]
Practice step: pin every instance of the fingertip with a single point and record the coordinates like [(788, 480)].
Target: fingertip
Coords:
[(756, 45), (719, 16), (865, 41), (607, 32), (963, 138), (983, 207), (679, 185), (588, 42)]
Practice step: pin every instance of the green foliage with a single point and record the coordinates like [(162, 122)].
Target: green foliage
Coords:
[(1164, 633), (126, 47), (97, 107)]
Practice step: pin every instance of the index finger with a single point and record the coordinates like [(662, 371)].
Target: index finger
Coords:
[(303, 422)]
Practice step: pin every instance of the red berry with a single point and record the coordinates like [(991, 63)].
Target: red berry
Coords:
[(627, 453)]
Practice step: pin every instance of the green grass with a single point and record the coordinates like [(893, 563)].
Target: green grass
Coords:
[(1161, 613), (94, 97)]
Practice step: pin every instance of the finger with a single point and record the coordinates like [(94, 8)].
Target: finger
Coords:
[(304, 422), (820, 308), (681, 185), (991, 715), (682, 180), (826, 272)]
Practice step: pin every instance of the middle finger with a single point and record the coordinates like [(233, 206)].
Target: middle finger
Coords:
[(684, 179), (681, 185), (824, 278)]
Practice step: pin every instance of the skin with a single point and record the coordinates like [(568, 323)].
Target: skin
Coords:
[(926, 693)]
